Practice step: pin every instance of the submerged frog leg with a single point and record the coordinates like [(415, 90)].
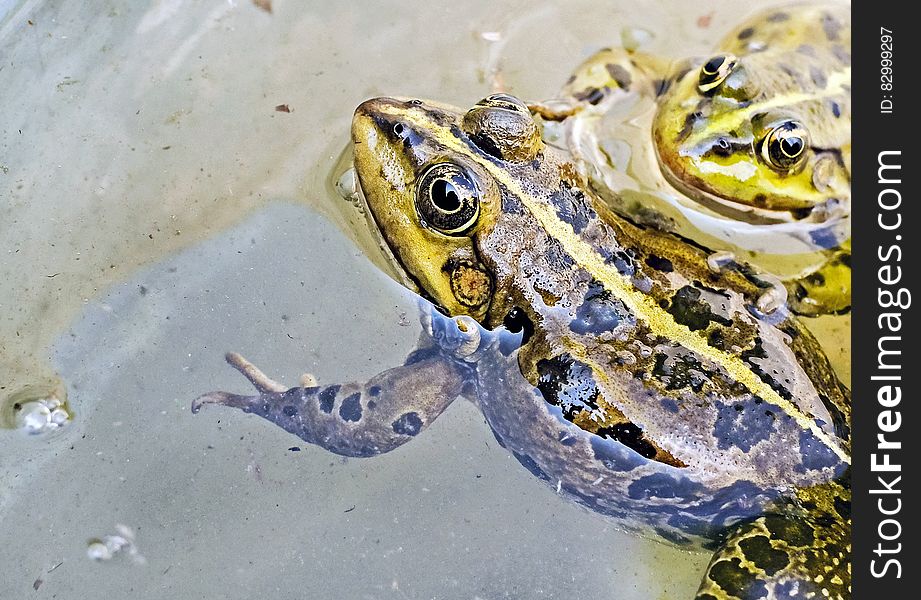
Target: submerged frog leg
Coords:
[(825, 290), (785, 556), (355, 419), (605, 78)]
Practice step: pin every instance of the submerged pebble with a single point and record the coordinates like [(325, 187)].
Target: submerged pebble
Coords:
[(36, 409)]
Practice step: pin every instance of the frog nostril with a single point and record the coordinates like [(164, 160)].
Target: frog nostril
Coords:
[(722, 146)]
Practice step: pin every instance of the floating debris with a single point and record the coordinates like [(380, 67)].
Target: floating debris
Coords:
[(491, 71), (634, 38), (107, 547)]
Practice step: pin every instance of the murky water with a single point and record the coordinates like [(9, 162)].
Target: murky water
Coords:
[(157, 209)]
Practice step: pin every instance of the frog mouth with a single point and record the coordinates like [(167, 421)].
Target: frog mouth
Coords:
[(697, 191), (397, 270)]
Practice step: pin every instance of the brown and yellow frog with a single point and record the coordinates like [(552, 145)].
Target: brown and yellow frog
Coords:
[(613, 360)]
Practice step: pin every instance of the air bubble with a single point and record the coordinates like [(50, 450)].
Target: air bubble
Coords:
[(347, 187)]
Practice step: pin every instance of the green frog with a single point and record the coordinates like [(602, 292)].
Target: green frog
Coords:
[(614, 360), (753, 141)]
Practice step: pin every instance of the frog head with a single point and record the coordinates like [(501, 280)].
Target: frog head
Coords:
[(745, 137), (426, 171)]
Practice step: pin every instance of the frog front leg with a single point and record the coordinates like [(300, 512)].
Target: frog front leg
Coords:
[(786, 556), (354, 419), (826, 289)]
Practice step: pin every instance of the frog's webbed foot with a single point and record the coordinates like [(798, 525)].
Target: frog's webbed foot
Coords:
[(354, 419)]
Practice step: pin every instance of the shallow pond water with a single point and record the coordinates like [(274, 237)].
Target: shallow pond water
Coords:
[(158, 208)]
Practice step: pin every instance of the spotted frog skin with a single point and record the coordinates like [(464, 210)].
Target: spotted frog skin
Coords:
[(612, 360), (757, 133)]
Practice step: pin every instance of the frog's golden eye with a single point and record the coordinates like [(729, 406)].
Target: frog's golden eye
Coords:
[(715, 71), (784, 147), (447, 199)]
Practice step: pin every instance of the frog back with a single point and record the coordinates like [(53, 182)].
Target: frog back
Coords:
[(641, 366)]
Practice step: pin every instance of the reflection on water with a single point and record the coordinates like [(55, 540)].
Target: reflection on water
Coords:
[(138, 131)]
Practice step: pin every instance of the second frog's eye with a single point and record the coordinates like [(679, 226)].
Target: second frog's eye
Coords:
[(505, 101), (447, 200), (784, 147), (715, 71), (502, 126)]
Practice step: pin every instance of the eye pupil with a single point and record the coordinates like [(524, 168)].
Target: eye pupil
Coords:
[(444, 196), (791, 146), (785, 145), (713, 65), (398, 129), (447, 199), (715, 71)]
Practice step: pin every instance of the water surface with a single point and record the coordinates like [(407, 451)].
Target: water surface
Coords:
[(157, 209)]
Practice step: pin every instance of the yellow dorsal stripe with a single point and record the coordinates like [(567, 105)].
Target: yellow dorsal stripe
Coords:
[(642, 305)]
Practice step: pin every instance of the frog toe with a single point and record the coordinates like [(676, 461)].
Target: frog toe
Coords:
[(224, 399), (255, 376)]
